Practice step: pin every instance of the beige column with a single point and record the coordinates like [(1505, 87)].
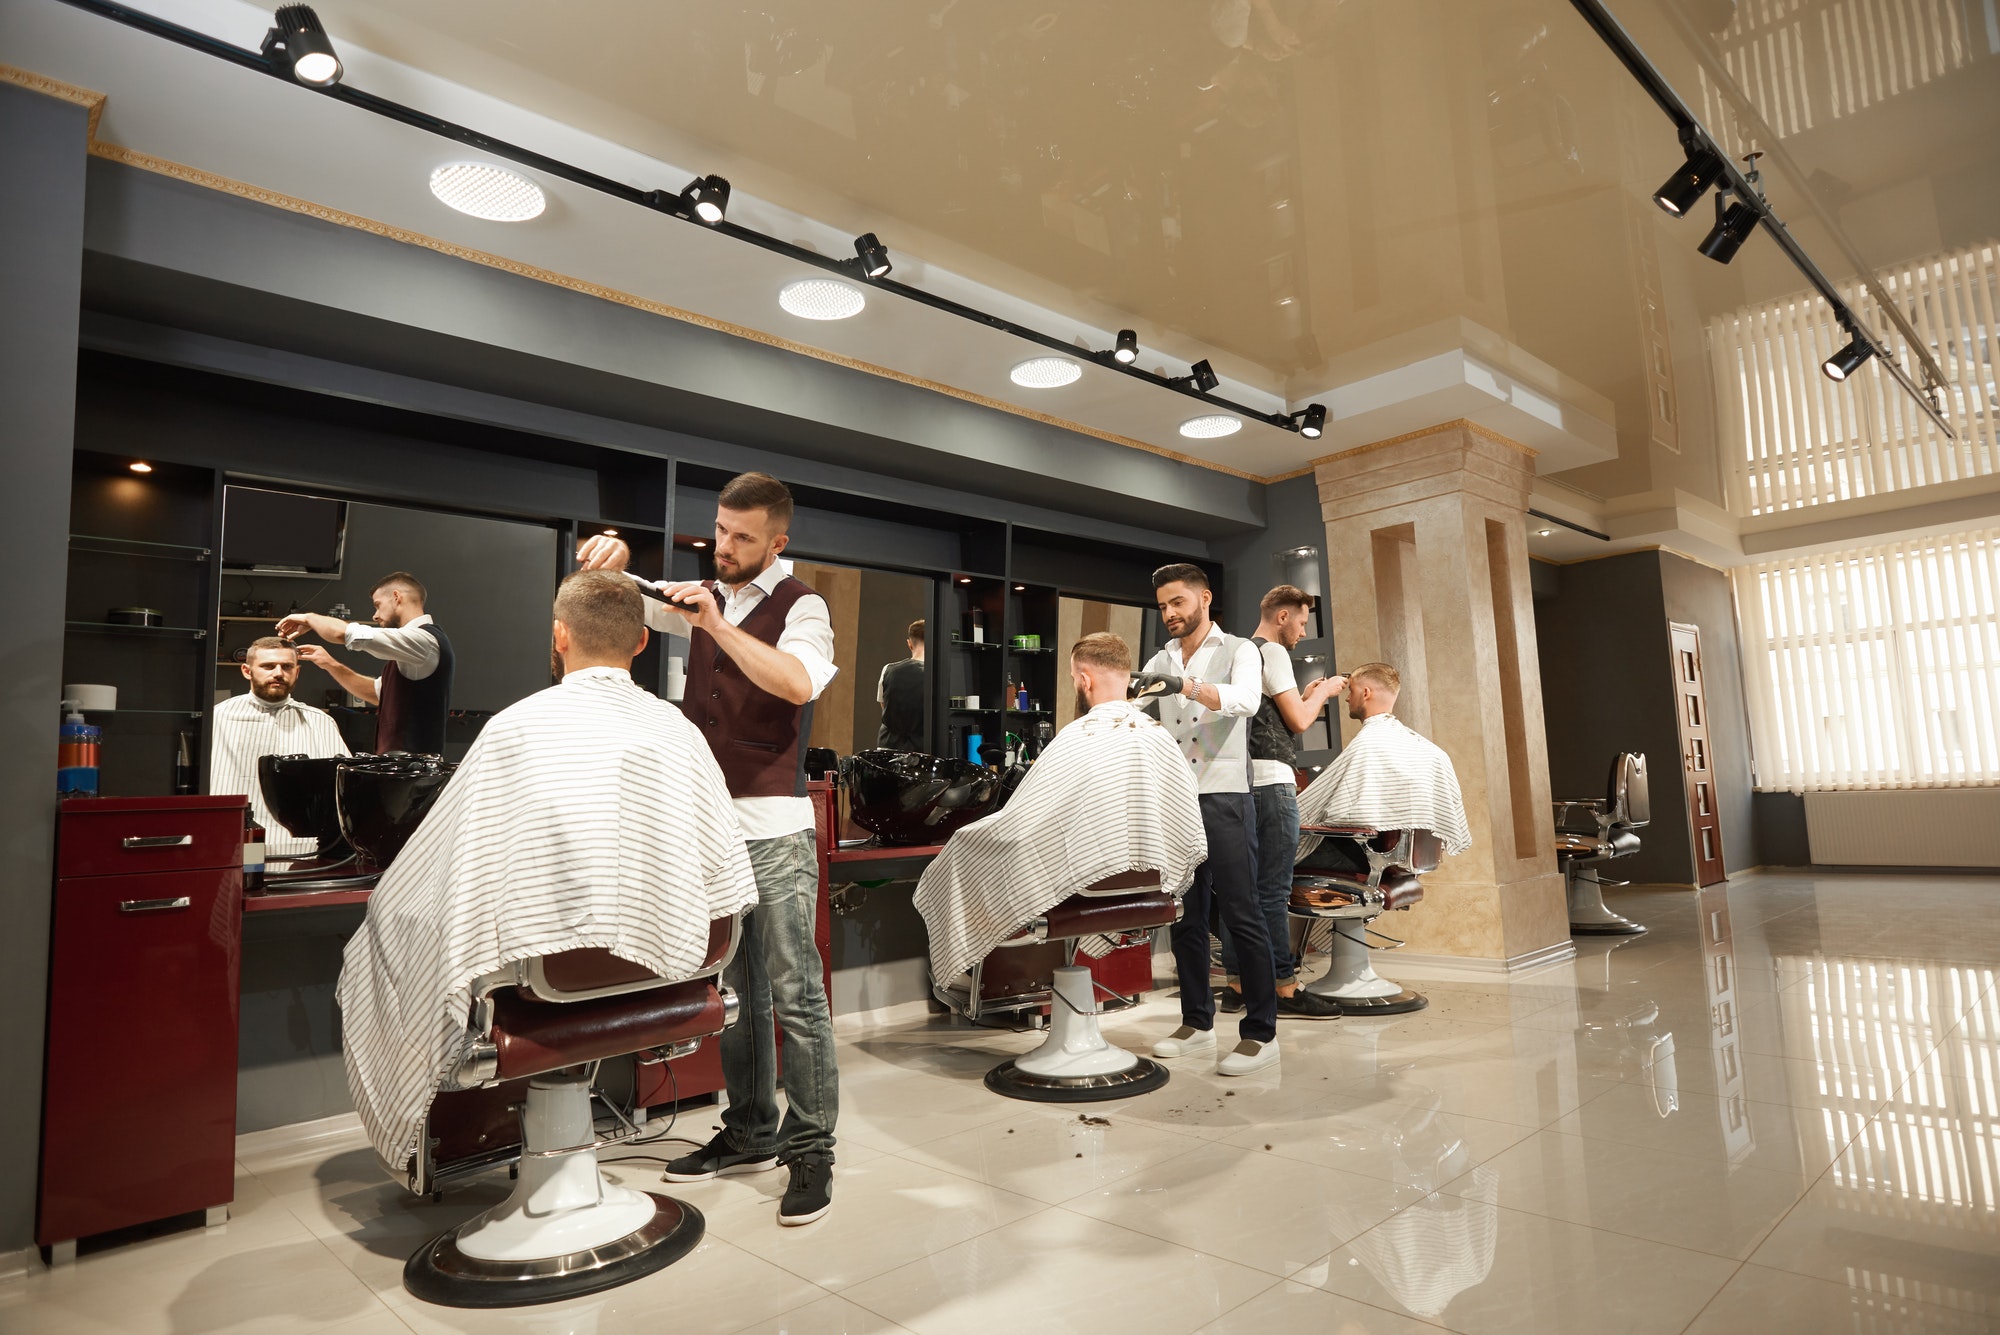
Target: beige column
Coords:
[(1426, 543)]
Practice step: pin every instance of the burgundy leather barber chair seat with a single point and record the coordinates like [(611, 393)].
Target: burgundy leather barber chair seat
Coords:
[(521, 1094), (1037, 968), (1357, 874)]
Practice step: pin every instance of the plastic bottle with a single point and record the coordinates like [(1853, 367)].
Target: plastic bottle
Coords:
[(77, 755), (184, 766), (972, 743)]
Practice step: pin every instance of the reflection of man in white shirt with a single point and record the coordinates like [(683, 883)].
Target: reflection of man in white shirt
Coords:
[(267, 721), (414, 690)]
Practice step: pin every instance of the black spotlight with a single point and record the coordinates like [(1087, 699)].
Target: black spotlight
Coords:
[(1733, 226), (1847, 361), (708, 196), (1685, 187), (1203, 376), (1312, 422), (874, 257), (300, 40), (1127, 348)]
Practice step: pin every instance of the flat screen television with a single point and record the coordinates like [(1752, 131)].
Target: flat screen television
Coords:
[(281, 533)]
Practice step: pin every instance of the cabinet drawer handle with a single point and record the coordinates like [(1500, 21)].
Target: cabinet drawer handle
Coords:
[(153, 905), (157, 840)]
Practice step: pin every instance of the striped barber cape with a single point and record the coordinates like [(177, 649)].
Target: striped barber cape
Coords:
[(1390, 778), (1112, 793), (588, 814)]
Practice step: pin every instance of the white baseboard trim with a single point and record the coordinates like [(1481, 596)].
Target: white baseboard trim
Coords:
[(875, 987), (15, 1264), (900, 1013), (1466, 968)]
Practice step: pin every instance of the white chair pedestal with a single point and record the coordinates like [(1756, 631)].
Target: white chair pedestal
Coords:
[(1588, 914), (1075, 1063), (1350, 976)]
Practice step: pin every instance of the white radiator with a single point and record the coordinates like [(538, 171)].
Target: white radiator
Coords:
[(1905, 827)]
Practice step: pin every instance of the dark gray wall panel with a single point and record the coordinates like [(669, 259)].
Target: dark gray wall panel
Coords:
[(42, 144)]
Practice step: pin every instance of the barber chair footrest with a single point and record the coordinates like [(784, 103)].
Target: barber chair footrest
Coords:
[(1143, 1077), (1399, 1002), (440, 1273)]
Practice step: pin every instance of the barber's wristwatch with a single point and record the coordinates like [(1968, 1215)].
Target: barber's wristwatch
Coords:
[(1191, 686)]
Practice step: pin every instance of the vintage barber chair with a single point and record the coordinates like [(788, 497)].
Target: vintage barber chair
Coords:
[(1348, 900), (521, 1095), (1036, 968), (1591, 832)]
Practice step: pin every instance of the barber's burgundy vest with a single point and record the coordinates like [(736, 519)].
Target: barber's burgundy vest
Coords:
[(413, 713), (758, 738)]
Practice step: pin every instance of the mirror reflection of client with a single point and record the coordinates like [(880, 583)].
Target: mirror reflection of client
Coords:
[(1112, 793), (1388, 778), (590, 814), (900, 692), (414, 690), (267, 721)]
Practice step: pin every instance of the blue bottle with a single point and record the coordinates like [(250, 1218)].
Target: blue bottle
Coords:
[(972, 747), (76, 757)]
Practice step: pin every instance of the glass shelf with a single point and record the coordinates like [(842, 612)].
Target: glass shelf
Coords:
[(1017, 649), (168, 551), (118, 628), (957, 643), (961, 709), (1031, 713), (178, 713)]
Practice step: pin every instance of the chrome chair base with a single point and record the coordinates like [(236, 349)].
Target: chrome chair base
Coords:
[(440, 1273)]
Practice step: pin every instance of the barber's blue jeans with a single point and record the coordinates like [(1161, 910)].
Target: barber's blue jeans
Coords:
[(776, 972), (1277, 847), (1226, 885)]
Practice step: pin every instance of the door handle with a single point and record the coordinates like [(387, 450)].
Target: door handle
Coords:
[(153, 905), (157, 840)]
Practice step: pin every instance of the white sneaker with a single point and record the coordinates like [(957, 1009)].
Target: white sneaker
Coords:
[(1248, 1056), (1184, 1042)]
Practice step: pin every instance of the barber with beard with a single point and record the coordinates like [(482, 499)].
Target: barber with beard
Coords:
[(414, 690)]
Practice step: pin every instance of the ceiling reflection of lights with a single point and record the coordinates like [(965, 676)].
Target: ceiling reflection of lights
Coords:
[(1046, 373), (1211, 426), (822, 299), (486, 191)]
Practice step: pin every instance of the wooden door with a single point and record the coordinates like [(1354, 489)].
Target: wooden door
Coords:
[(1697, 763)]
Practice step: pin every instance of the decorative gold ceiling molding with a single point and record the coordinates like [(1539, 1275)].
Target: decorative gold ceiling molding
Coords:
[(56, 88), (257, 194), (1484, 433)]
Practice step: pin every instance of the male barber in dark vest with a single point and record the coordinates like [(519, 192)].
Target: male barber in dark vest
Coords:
[(760, 651), (1283, 713), (900, 692), (413, 693)]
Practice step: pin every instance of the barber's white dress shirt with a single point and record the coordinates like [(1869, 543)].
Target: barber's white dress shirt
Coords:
[(246, 730), (1215, 741), (808, 637), (414, 652)]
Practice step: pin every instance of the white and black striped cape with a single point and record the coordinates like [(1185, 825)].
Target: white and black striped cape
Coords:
[(1390, 778), (1112, 793), (247, 730), (588, 814)]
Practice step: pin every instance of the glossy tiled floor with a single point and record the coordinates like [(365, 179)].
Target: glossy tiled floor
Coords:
[(1774, 1113)]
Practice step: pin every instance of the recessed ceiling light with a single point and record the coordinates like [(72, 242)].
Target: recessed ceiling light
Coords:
[(486, 191), (610, 532), (140, 467), (822, 299), (700, 542), (1543, 532), (1211, 426), (1046, 372)]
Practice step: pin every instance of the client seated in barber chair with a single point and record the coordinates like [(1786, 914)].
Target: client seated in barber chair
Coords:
[(1102, 838), (572, 897), (1591, 832), (1383, 813)]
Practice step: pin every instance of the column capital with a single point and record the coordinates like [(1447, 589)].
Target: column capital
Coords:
[(1451, 458)]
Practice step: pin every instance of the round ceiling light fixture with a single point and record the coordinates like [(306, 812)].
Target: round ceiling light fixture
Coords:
[(1211, 426), (1046, 373), (486, 191), (822, 299)]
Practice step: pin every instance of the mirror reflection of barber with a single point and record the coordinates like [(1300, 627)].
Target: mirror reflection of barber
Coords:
[(268, 721), (900, 693), (414, 691), (760, 651)]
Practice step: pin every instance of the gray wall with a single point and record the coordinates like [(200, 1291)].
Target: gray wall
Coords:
[(1293, 519), (1607, 686), (42, 160)]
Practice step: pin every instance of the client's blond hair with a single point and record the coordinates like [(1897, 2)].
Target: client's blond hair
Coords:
[(1102, 649), (1380, 676), (604, 613)]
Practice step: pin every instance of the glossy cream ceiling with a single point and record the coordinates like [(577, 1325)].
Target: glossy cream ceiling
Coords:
[(1317, 194)]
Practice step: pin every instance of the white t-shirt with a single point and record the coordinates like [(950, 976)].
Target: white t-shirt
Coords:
[(1278, 678)]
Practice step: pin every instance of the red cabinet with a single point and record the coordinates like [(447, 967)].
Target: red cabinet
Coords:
[(143, 977)]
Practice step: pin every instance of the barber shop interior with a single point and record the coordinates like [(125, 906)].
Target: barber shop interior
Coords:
[(558, 557)]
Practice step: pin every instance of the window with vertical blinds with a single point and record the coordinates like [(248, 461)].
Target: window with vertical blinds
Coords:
[(1800, 439), (1877, 667)]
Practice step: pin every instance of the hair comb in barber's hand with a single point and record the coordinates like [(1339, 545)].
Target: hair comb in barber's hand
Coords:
[(1152, 685)]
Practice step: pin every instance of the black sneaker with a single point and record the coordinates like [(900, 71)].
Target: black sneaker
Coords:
[(717, 1159), (1229, 999), (1304, 1005), (810, 1194)]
